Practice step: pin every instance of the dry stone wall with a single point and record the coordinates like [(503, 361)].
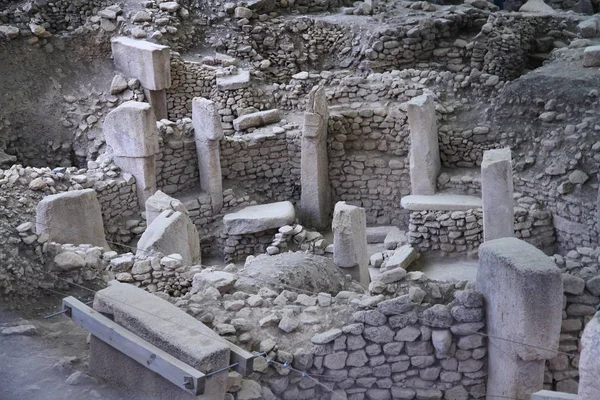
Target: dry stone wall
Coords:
[(581, 284), (265, 164), (462, 231), (368, 164)]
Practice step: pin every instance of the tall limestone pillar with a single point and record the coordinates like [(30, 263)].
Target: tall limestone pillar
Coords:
[(208, 132), (425, 161), (589, 363), (523, 293), (315, 199), (130, 132), (497, 194)]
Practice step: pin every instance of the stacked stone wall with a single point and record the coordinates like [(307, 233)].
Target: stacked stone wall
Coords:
[(368, 164), (266, 165), (462, 231), (238, 247), (177, 160), (582, 296)]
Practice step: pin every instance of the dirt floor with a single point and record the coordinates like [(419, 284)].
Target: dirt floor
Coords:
[(37, 367)]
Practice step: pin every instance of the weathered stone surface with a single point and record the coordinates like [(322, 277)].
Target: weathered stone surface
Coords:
[(172, 232), (532, 313), (441, 202), (350, 241), (207, 132), (591, 56), (589, 367), (71, 217), (401, 258), (537, 7), (256, 119), (159, 202), (497, 194), (146, 61), (315, 201), (259, 218), (424, 148)]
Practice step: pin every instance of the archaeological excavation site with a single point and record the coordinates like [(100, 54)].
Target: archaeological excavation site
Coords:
[(300, 199)]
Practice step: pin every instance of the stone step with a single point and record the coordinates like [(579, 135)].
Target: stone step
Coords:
[(440, 202)]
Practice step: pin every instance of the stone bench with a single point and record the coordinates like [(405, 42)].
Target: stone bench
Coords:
[(440, 202), (240, 80), (250, 231)]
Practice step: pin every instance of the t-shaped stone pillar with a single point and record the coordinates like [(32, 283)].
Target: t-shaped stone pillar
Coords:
[(350, 241), (589, 363), (523, 292), (497, 193), (208, 132), (130, 131), (148, 62), (315, 199), (424, 148)]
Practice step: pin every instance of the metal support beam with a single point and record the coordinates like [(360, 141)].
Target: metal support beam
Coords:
[(179, 373)]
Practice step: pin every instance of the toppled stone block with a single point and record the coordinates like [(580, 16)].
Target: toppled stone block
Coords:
[(72, 217), (588, 28), (159, 202), (259, 218), (401, 258), (394, 238), (172, 232), (146, 61), (256, 119)]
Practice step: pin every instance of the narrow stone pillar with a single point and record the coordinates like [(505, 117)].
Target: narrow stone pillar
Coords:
[(315, 199), (208, 132), (350, 241), (425, 161), (150, 63), (523, 292), (589, 363), (497, 194), (130, 131)]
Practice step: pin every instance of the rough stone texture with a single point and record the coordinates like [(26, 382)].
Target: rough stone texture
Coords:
[(589, 365), (208, 132), (424, 148), (591, 56), (166, 327), (172, 232), (549, 395), (130, 131), (71, 217), (146, 61), (259, 218), (532, 314), (536, 6), (256, 119), (315, 199), (497, 194), (350, 241), (159, 202)]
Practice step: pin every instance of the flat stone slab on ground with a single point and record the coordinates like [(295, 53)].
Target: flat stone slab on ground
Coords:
[(401, 258), (394, 238), (259, 218), (377, 234), (440, 202), (549, 395), (232, 82)]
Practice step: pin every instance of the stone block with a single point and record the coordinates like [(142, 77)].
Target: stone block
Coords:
[(159, 202), (259, 218), (172, 232), (130, 130), (425, 161), (72, 217), (589, 363), (254, 120), (531, 314), (240, 80), (350, 241), (497, 194), (165, 326), (591, 56), (146, 61)]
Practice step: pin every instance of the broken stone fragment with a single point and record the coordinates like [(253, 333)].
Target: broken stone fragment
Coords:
[(22, 330), (118, 85)]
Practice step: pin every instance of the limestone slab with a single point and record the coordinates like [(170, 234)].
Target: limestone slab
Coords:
[(350, 241), (497, 194), (441, 202), (146, 61), (72, 217), (159, 202), (256, 119), (240, 80), (259, 218), (589, 363)]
